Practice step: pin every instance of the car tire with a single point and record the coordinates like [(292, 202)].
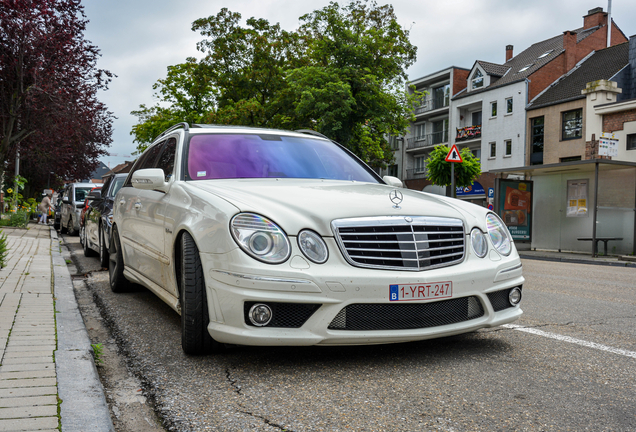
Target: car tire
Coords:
[(118, 282), (56, 225), (71, 227), (195, 338), (88, 252), (63, 229), (103, 252)]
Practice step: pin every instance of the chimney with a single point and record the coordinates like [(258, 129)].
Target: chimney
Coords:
[(569, 45), (595, 17), (508, 52)]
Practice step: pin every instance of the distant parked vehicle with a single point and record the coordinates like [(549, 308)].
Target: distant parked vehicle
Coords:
[(99, 218), (94, 194), (58, 210), (72, 204)]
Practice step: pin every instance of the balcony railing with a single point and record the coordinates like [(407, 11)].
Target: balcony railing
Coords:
[(468, 133), (428, 140), (431, 103), (416, 173)]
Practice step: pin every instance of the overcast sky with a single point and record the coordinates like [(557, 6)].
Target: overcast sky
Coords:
[(138, 39)]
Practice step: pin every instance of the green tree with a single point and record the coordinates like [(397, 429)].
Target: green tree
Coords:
[(354, 90), (342, 73), (247, 66), (185, 95), (439, 171)]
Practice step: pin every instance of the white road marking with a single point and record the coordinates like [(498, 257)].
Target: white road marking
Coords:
[(581, 342)]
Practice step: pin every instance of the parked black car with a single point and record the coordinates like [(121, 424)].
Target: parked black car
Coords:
[(98, 219), (58, 210)]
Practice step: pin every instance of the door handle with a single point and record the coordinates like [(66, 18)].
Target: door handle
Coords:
[(122, 201), (137, 205)]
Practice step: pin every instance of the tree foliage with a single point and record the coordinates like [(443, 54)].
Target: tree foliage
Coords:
[(48, 90), (341, 73), (439, 171)]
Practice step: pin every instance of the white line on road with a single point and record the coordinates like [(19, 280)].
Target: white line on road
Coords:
[(581, 342)]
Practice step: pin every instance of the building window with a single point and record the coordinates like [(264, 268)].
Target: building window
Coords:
[(526, 67), (545, 54), (419, 131), (441, 96), (493, 109), (393, 170), (536, 136), (631, 142), (420, 165), (509, 106), (493, 150), (440, 131), (478, 80), (508, 145), (476, 153), (572, 124), (476, 117)]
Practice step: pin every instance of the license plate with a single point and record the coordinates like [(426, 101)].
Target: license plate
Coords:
[(425, 291)]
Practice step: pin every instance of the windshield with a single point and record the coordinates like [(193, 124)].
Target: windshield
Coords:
[(225, 156), (80, 193)]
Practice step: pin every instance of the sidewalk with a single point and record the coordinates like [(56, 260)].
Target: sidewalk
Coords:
[(45, 353)]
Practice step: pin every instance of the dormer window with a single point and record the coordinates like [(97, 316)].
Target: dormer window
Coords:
[(478, 80)]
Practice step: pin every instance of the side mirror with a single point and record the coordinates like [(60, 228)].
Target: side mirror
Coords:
[(149, 179), (393, 181), (95, 195), (65, 200)]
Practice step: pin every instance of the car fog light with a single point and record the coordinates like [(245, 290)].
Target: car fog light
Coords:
[(515, 296), (260, 314)]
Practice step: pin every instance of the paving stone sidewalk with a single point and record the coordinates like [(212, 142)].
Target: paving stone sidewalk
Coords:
[(29, 382)]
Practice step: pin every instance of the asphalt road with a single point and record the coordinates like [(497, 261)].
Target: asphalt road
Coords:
[(571, 367)]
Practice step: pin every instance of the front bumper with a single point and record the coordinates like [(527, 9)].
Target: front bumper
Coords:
[(233, 279)]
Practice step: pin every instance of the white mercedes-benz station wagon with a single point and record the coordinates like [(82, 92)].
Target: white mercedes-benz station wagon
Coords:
[(269, 237)]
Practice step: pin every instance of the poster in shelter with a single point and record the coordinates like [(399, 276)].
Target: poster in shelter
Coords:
[(515, 207), (577, 205)]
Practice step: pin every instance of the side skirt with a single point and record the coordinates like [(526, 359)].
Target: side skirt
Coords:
[(159, 291)]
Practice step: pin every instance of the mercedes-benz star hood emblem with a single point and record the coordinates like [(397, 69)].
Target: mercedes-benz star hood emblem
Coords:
[(396, 198)]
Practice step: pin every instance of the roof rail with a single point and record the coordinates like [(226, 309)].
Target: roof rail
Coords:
[(184, 125), (312, 132)]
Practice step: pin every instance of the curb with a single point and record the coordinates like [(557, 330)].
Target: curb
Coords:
[(83, 404), (576, 261)]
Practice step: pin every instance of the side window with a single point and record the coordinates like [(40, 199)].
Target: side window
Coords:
[(166, 160), (147, 160)]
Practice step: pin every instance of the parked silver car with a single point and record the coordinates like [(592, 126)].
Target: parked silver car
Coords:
[(72, 204)]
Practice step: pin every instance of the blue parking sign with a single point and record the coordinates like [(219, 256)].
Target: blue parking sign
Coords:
[(491, 192)]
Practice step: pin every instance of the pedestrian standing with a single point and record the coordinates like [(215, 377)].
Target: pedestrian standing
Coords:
[(44, 207)]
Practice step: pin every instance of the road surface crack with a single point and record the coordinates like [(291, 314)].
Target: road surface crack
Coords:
[(267, 421), (233, 383)]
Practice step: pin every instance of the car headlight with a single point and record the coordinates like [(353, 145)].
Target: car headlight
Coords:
[(478, 240), (260, 238), (498, 234), (313, 246)]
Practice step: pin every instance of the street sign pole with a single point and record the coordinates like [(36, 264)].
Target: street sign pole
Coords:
[(454, 194)]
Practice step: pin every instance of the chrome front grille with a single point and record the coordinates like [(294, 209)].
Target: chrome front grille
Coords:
[(413, 243)]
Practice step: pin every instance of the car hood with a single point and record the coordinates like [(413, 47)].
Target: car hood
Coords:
[(298, 204)]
